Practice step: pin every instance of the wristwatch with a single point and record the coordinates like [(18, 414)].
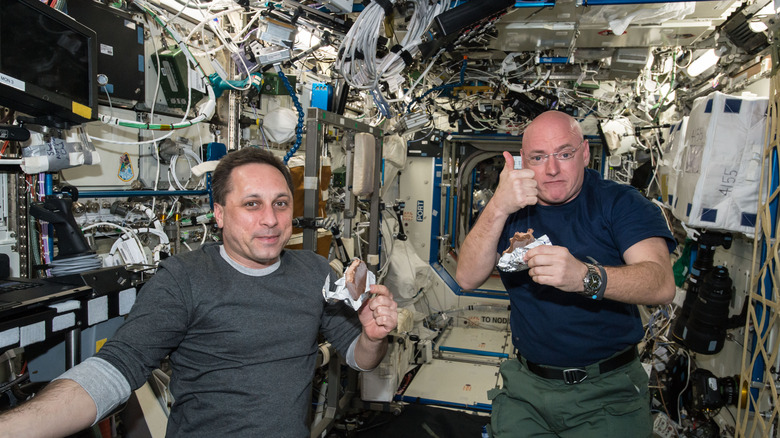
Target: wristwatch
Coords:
[(595, 281)]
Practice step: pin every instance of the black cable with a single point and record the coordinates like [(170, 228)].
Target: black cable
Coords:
[(6, 386)]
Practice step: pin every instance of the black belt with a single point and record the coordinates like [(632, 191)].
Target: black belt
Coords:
[(576, 375)]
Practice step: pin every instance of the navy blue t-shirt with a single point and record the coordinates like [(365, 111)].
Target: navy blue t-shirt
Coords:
[(557, 328)]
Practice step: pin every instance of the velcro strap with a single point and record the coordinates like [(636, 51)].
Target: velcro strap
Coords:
[(404, 55), (387, 5), (407, 57)]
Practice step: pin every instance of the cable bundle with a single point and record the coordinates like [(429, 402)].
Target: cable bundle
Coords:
[(191, 157), (357, 60), (75, 265), (401, 56)]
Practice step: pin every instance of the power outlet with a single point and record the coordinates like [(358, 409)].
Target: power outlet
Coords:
[(663, 427)]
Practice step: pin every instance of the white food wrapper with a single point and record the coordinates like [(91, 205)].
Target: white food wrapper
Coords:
[(515, 261), (342, 294)]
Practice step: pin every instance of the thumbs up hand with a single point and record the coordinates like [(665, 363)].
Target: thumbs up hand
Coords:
[(516, 189)]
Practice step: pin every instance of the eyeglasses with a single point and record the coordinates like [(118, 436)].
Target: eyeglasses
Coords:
[(562, 155)]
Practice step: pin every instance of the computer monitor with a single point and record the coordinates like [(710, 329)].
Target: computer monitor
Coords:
[(47, 64)]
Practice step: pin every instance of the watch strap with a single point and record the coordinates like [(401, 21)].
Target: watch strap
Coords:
[(600, 294)]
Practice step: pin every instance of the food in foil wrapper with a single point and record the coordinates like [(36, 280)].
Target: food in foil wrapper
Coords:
[(355, 278), (353, 288), (513, 259), (520, 240)]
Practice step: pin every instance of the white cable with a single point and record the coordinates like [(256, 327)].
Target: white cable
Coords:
[(75, 265), (173, 207), (210, 18), (130, 143), (188, 155), (124, 230), (149, 212), (159, 67), (151, 116), (205, 112), (156, 154), (425, 72), (423, 15), (160, 234), (526, 88), (248, 29), (508, 65), (361, 37), (157, 250), (687, 381), (163, 246), (136, 253), (230, 44), (127, 254), (366, 73), (389, 244)]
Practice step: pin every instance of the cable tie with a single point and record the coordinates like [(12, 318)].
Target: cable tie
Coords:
[(387, 5), (407, 57)]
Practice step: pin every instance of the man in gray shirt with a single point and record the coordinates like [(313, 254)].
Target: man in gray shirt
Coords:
[(239, 322)]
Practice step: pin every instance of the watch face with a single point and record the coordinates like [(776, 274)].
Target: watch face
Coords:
[(592, 280)]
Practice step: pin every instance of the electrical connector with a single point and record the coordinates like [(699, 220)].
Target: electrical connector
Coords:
[(410, 122)]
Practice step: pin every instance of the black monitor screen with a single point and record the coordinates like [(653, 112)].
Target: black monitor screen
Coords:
[(46, 62)]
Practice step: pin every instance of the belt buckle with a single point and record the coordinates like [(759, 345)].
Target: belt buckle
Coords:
[(572, 376)]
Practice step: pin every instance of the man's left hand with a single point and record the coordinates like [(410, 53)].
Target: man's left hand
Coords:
[(379, 315)]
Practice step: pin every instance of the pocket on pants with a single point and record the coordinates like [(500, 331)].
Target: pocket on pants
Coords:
[(624, 407), (499, 400), (630, 412), (509, 416)]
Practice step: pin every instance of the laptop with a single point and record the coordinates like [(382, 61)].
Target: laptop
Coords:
[(19, 294)]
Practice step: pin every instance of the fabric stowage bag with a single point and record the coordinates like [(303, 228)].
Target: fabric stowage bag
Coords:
[(670, 166), (721, 166)]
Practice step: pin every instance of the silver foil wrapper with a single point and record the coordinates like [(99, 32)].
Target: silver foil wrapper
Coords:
[(341, 293), (515, 261)]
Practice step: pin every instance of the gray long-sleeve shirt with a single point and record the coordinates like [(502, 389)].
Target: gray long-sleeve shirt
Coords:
[(242, 342)]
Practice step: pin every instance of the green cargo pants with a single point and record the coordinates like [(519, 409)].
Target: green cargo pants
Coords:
[(612, 405)]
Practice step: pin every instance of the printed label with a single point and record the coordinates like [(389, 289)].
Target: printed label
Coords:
[(12, 82)]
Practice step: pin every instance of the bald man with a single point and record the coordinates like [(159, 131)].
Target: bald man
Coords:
[(574, 316)]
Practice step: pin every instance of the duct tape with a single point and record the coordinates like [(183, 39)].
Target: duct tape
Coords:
[(310, 183)]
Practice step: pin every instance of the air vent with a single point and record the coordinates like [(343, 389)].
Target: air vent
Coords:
[(738, 31)]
